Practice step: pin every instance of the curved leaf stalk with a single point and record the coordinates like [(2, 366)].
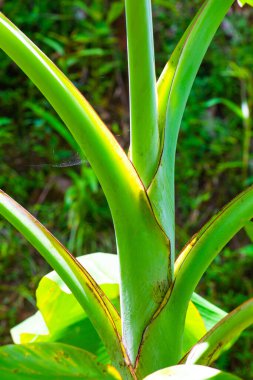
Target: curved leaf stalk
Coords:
[(100, 310), (203, 248), (139, 237), (109, 161), (144, 147), (174, 87), (189, 268), (208, 349)]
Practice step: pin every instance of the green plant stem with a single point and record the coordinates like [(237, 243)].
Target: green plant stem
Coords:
[(207, 350), (144, 282), (189, 268), (174, 87), (144, 135)]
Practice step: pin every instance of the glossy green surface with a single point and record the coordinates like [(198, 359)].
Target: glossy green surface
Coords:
[(190, 372), (158, 323), (144, 135), (174, 87), (100, 310), (139, 237), (52, 361)]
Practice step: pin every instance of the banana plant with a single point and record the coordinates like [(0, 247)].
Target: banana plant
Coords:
[(134, 315)]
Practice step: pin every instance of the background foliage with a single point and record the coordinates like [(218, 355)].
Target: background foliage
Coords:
[(86, 39)]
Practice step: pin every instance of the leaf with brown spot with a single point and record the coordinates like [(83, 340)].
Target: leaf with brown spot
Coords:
[(52, 361)]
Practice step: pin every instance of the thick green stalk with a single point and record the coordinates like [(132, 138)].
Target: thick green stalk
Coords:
[(99, 309), (209, 348), (144, 282), (174, 88), (144, 136)]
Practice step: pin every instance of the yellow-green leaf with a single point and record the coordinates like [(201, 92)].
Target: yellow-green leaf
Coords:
[(243, 2)]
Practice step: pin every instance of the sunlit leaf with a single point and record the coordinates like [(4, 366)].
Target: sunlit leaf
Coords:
[(209, 348), (91, 297), (210, 313), (52, 361), (190, 372), (194, 327), (243, 2), (61, 318)]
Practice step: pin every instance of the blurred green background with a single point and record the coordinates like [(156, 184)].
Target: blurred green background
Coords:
[(86, 39)]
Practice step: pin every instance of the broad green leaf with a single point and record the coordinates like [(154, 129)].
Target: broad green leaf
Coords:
[(139, 236), (243, 2), (61, 318), (53, 294), (80, 334), (52, 361), (190, 372), (194, 327), (208, 349), (210, 313), (145, 146), (174, 87), (100, 310), (201, 316)]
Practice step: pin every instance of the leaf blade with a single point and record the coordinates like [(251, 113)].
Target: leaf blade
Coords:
[(51, 360), (190, 372), (61, 318)]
